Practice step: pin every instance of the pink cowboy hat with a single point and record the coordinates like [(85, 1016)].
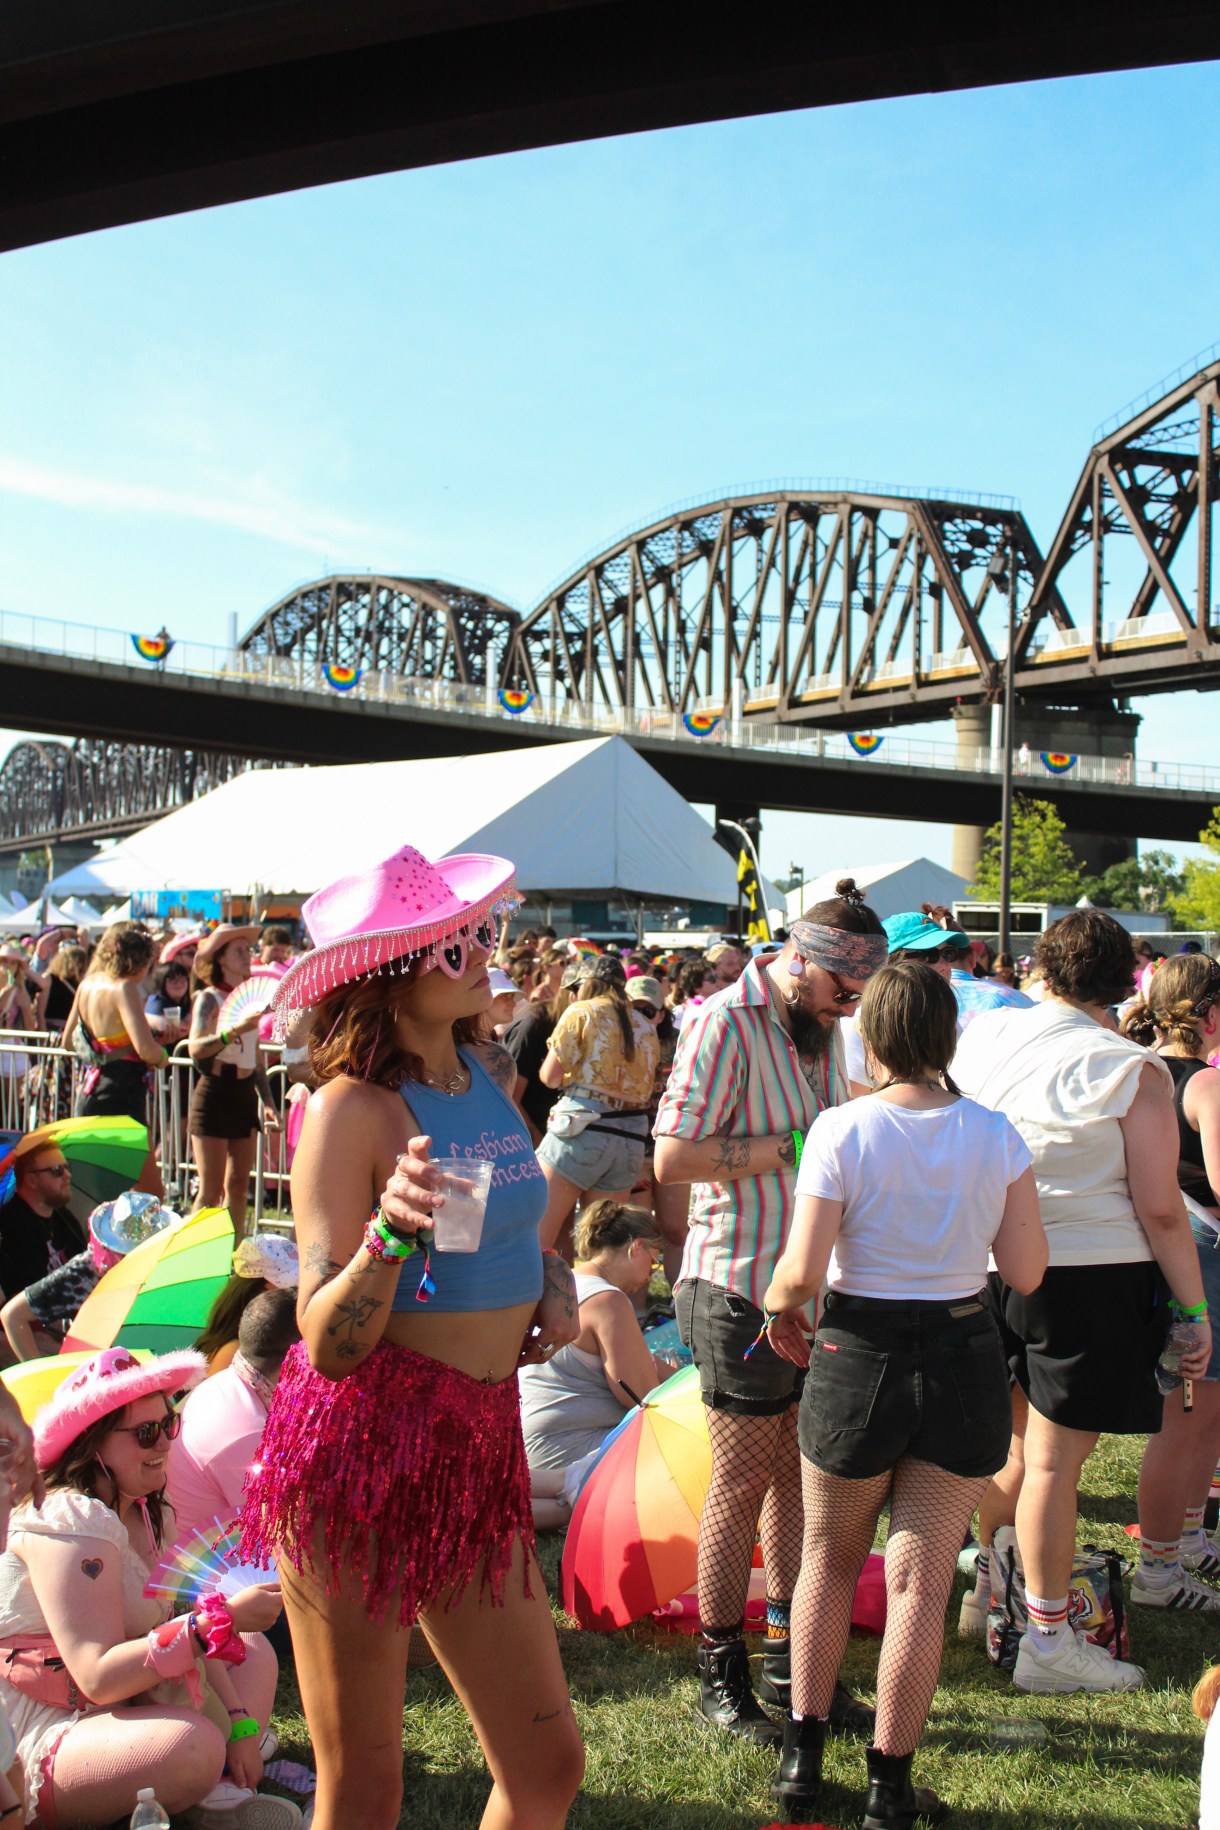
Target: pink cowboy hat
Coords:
[(170, 953), (396, 910), (103, 1384)]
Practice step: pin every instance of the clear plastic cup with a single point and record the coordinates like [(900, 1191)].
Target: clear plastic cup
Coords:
[(457, 1225), (172, 1013)]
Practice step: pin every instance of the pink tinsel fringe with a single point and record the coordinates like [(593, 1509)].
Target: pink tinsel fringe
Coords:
[(415, 1472)]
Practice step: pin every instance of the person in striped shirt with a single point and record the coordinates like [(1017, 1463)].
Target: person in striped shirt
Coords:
[(754, 1067)]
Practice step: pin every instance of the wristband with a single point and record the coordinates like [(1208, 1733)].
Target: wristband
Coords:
[(383, 1243), (799, 1145), (244, 1728), (1188, 1312)]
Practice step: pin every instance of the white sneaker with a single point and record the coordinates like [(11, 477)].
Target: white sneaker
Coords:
[(268, 1747), (972, 1621), (263, 1812), (230, 1807), (1205, 1560), (1074, 1664), (1183, 1593)]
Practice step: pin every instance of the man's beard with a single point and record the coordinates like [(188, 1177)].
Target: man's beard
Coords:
[(810, 1036)]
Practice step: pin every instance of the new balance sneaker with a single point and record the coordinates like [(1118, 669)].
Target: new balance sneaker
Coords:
[(1074, 1664), (1202, 1556), (972, 1620), (1182, 1594)]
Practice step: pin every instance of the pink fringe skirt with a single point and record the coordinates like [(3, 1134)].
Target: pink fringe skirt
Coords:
[(408, 1476)]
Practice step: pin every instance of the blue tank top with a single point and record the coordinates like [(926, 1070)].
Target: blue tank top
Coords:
[(507, 1268)]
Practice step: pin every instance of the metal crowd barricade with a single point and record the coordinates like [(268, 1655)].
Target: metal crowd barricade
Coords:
[(41, 1080)]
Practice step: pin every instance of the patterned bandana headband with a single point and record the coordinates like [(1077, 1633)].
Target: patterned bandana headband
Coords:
[(856, 956)]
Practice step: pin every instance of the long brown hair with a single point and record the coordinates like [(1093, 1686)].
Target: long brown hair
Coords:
[(79, 1469), (1168, 1013), (226, 1313), (353, 1033)]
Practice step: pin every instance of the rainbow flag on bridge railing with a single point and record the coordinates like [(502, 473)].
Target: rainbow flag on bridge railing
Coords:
[(339, 675), (701, 724), (1058, 761), (864, 743), (515, 699), (152, 647)]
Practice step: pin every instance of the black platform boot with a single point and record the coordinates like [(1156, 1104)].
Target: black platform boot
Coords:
[(799, 1780), (893, 1802), (725, 1696), (775, 1679)]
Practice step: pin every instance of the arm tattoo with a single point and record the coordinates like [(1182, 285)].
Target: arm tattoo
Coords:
[(500, 1065), (732, 1153), (319, 1261), (353, 1316), (787, 1150), (558, 1283)]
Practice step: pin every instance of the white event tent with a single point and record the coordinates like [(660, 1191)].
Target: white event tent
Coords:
[(588, 818), (889, 889)]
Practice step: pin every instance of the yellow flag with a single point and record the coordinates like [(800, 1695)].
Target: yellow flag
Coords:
[(757, 926)]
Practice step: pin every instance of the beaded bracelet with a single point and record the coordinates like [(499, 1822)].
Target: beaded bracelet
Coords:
[(244, 1729), (382, 1242)]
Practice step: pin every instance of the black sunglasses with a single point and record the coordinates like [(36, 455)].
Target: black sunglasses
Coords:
[(841, 994), (146, 1434), (645, 1010), (927, 956)]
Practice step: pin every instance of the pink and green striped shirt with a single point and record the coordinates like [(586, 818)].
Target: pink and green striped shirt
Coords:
[(737, 1074)]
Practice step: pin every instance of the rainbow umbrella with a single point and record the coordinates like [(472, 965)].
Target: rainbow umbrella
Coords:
[(631, 1546), (34, 1383), (159, 1296), (106, 1155)]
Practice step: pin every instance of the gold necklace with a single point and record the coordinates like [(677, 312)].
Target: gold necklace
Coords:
[(452, 1085)]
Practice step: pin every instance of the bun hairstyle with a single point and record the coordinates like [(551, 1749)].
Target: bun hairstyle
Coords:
[(605, 1226), (845, 910), (1168, 1014)]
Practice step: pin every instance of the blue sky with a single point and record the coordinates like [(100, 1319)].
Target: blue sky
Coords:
[(484, 371)]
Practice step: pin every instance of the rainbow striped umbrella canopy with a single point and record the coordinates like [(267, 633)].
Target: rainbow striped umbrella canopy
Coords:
[(631, 1546), (159, 1295), (34, 1383)]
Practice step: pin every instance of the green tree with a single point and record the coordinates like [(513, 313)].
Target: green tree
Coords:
[(1044, 867), (1148, 882), (1198, 906)]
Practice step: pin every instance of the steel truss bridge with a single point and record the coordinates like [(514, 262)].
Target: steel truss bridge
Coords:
[(841, 606)]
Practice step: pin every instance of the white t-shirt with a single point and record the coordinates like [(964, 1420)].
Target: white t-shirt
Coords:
[(923, 1194), (1209, 1786), (1065, 1082)]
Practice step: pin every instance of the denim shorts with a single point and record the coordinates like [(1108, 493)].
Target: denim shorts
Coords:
[(1207, 1244), (596, 1161), (894, 1378), (719, 1326)]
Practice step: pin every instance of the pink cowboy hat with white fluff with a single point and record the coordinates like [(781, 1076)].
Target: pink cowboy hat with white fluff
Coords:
[(103, 1384), (394, 911)]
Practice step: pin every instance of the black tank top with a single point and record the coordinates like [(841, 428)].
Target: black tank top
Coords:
[(1190, 1144)]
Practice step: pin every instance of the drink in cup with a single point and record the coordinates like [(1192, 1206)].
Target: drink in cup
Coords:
[(457, 1225)]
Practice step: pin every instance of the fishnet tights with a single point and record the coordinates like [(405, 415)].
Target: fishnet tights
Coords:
[(929, 1513), (755, 1490)]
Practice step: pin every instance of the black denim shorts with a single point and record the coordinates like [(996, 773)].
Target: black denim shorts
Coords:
[(895, 1378), (718, 1326)]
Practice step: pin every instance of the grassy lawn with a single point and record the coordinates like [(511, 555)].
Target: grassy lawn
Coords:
[(1118, 1761)]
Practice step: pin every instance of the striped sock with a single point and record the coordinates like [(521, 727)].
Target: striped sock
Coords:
[(1048, 1621), (1160, 1559), (982, 1573), (778, 1616), (1192, 1528)]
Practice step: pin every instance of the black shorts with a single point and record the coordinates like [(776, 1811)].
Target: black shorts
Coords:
[(224, 1106), (120, 1091), (718, 1326), (1083, 1346), (893, 1378)]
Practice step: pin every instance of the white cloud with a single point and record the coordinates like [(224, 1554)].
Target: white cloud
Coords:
[(252, 509)]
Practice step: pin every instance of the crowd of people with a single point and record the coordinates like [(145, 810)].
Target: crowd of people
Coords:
[(903, 1198)]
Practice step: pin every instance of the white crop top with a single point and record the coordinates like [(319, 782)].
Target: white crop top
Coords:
[(923, 1194)]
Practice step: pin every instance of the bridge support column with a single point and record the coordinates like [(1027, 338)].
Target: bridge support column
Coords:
[(973, 724)]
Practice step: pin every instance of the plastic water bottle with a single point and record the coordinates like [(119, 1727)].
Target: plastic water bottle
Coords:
[(148, 1814)]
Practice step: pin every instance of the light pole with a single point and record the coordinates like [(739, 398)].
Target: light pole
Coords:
[(996, 567)]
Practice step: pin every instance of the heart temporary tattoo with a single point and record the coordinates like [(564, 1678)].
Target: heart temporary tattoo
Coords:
[(92, 1567)]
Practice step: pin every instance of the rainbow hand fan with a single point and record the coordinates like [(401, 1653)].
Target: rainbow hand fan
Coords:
[(253, 994), (152, 647), (206, 1563)]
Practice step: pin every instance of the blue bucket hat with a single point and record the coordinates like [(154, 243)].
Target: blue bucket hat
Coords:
[(917, 933)]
